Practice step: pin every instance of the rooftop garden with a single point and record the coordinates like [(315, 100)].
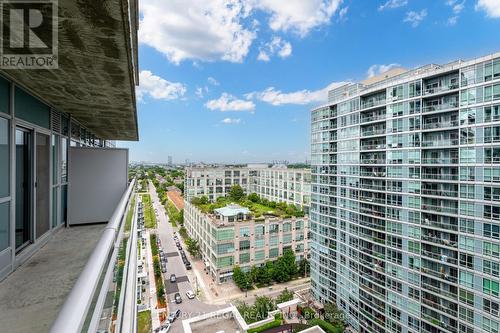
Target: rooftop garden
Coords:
[(258, 206)]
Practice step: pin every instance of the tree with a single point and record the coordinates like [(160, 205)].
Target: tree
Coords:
[(193, 247), (263, 305), (236, 193), (304, 267), (284, 296), (289, 262), (333, 315), (254, 197), (241, 279)]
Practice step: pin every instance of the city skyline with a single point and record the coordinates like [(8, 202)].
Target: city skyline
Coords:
[(190, 92)]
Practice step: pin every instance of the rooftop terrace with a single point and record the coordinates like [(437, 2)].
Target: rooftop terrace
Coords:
[(257, 206)]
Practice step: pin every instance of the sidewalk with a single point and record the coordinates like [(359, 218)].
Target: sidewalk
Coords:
[(155, 319)]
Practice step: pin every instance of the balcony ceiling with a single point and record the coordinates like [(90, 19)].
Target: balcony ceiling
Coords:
[(96, 78)]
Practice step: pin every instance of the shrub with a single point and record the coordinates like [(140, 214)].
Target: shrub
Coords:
[(327, 327)]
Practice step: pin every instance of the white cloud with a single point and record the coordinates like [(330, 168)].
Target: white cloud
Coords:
[(276, 46), (375, 70), (231, 121), (298, 16), (158, 88), (452, 20), (201, 91), (391, 4), (213, 81), (196, 30), (263, 56), (456, 6), (301, 97), (491, 7), (343, 12), (414, 18), (228, 102)]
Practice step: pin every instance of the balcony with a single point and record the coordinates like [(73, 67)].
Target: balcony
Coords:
[(74, 273), (56, 267)]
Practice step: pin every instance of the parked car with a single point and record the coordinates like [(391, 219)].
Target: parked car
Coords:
[(188, 265), (173, 278), (163, 329), (163, 269), (174, 315), (189, 294), (178, 298)]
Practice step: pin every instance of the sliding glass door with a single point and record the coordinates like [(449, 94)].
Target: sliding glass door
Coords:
[(32, 186), (24, 161)]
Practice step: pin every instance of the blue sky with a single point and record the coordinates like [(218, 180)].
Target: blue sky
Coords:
[(235, 80)]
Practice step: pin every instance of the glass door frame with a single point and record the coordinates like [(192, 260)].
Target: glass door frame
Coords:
[(29, 209), (34, 130)]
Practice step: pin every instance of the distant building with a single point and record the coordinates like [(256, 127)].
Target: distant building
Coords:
[(279, 183), (231, 235), (169, 160)]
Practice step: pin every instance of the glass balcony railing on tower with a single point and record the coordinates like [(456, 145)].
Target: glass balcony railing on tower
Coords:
[(443, 83)]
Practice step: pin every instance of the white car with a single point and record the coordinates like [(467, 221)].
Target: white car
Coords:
[(190, 294)]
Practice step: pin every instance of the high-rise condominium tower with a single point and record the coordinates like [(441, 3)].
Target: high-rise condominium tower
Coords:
[(405, 203)]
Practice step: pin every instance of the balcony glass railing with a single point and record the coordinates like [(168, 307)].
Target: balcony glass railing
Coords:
[(440, 143), (439, 89), (83, 308), (439, 107), (367, 119), (440, 160), (380, 131), (440, 176), (442, 124)]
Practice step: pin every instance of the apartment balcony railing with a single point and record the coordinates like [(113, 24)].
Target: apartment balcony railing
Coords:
[(83, 308), (440, 176), (440, 257), (380, 131), (368, 119), (439, 323), (440, 143), (439, 307), (373, 103), (379, 146), (441, 275), (440, 160), (441, 241), (440, 209), (443, 124), (437, 224), (440, 107), (373, 161), (435, 90), (439, 291), (440, 193)]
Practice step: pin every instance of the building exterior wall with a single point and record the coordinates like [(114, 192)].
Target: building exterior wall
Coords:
[(244, 243), (50, 134), (278, 184), (405, 203)]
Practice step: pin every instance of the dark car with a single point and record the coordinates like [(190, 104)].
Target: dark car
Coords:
[(188, 265), (163, 268), (173, 278), (175, 314), (178, 299)]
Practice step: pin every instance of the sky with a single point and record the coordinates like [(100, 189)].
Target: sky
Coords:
[(234, 81)]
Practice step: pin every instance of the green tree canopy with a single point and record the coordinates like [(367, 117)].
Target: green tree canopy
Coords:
[(236, 193)]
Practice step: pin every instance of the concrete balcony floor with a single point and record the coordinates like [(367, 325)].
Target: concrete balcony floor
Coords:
[(31, 297)]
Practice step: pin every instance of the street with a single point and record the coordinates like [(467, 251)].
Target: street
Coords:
[(188, 307)]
